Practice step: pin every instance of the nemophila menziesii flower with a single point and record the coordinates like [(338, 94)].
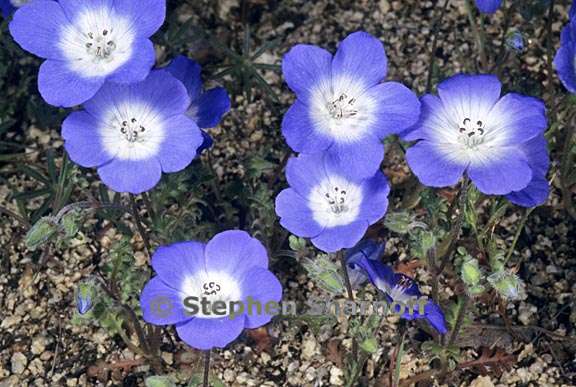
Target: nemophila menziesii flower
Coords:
[(366, 248), (342, 107), (134, 132), (231, 268), (564, 60), (207, 107), (9, 6), (488, 6), (470, 128), (87, 43), (401, 289), (323, 204)]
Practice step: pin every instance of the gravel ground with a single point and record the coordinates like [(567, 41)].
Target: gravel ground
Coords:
[(39, 346)]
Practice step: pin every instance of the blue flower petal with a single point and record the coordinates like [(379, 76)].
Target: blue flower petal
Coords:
[(161, 304), (208, 333), (147, 15), (133, 176), (260, 285), (306, 67), (501, 172), (210, 107), (488, 6), (36, 28), (433, 168), (360, 56), (173, 263), (59, 86), (188, 72), (83, 144)]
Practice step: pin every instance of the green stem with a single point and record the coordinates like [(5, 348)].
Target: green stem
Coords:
[(478, 35), (445, 247), (440, 12), (206, 367), (459, 320), (348, 284), (140, 225), (517, 235)]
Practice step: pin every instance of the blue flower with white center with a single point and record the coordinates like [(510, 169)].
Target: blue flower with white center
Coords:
[(470, 128), (342, 107), (366, 248), (323, 204), (207, 107), (488, 6), (231, 268), (402, 289), (565, 58), (87, 43), (132, 133), (9, 6)]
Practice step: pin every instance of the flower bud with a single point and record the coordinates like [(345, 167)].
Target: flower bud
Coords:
[(44, 230), (507, 284), (471, 273), (369, 345), (402, 222), (515, 41), (70, 223), (85, 297)]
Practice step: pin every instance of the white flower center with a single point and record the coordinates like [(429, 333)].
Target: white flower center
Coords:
[(132, 131), (211, 286), (340, 108), (471, 134), (98, 42), (335, 202)]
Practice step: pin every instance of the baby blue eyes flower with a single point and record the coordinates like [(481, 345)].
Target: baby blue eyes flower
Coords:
[(470, 128), (564, 59), (206, 107), (231, 267), (86, 43), (325, 205), (402, 289), (488, 6), (342, 107), (132, 133)]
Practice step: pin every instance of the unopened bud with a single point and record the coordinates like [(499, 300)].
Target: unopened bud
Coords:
[(507, 284), (41, 233), (471, 272)]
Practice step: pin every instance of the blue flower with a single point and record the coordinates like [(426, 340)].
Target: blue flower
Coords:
[(206, 107), (87, 43), (366, 248), (231, 267), (342, 107), (325, 205), (83, 301), (564, 59), (402, 289), (488, 6), (132, 133), (470, 128)]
